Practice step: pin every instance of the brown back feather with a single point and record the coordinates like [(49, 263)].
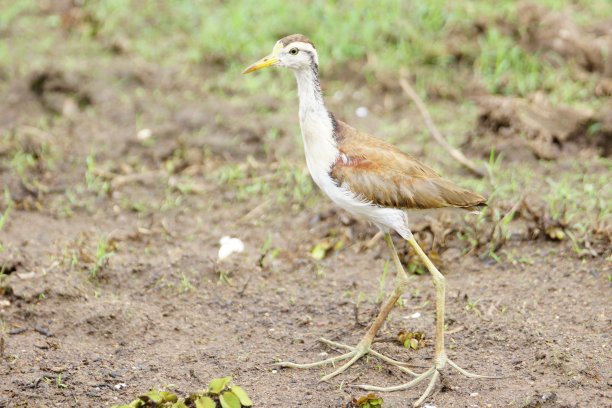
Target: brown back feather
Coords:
[(386, 176)]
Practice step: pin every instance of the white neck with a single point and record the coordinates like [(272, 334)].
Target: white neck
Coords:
[(309, 91), (317, 126)]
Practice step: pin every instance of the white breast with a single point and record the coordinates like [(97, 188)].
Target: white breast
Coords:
[(321, 153)]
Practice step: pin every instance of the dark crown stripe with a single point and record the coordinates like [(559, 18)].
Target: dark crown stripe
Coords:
[(295, 38)]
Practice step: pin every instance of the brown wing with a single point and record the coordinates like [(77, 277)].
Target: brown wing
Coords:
[(389, 177)]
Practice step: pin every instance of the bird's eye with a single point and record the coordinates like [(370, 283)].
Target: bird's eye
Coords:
[(293, 51)]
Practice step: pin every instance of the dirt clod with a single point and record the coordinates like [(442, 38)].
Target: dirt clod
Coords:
[(556, 33), (547, 130)]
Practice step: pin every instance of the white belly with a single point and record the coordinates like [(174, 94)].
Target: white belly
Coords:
[(321, 153), (319, 159)]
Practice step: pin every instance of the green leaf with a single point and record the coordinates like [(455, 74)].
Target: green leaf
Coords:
[(318, 251), (159, 396), (179, 404), (137, 403), (229, 400), (218, 384), (168, 396), (242, 396), (205, 402)]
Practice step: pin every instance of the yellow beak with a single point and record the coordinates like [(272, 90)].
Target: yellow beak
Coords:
[(262, 63)]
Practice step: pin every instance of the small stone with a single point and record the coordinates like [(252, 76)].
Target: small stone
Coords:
[(26, 275), (120, 386), (144, 134), (229, 246), (361, 112), (43, 330)]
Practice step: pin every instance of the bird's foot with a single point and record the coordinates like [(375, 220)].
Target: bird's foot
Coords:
[(433, 372), (353, 354)]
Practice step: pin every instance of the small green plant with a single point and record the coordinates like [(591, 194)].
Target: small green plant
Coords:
[(411, 340), (103, 253), (472, 306), (381, 286), (93, 180), (267, 253), (326, 246), (186, 285), (367, 401), (59, 382), (4, 216), (221, 393)]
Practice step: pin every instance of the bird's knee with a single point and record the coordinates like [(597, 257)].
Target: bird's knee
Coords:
[(439, 280)]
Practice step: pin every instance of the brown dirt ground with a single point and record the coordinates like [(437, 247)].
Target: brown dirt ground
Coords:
[(157, 315)]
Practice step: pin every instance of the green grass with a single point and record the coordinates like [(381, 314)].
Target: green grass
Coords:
[(206, 43), (374, 39), (287, 183), (579, 198), (103, 253)]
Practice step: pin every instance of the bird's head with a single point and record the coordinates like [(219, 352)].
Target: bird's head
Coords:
[(294, 51)]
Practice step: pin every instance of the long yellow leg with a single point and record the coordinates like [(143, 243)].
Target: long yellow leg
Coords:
[(364, 346), (440, 353), (401, 280), (440, 285)]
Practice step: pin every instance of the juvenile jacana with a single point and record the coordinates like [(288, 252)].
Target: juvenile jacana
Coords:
[(373, 180)]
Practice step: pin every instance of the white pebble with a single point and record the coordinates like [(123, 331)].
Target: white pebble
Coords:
[(120, 386), (144, 134), (229, 246), (415, 315), (474, 394), (361, 112)]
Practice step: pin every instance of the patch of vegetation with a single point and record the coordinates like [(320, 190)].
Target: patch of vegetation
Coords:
[(286, 183), (367, 401), (411, 340), (104, 250), (221, 393)]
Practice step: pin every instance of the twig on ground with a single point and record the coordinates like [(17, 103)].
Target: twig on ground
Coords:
[(118, 181), (356, 316), (244, 287), (373, 241), (435, 133)]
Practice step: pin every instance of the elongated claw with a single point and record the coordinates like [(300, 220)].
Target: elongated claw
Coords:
[(331, 360), (433, 372), (400, 387), (354, 354), (470, 374)]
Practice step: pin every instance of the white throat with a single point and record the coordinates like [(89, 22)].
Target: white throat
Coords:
[(317, 127)]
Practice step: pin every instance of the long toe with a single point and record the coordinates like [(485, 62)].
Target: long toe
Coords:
[(353, 355)]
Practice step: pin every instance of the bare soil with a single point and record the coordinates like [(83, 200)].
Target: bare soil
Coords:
[(161, 311)]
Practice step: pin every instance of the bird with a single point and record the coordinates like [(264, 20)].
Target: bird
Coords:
[(375, 181)]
